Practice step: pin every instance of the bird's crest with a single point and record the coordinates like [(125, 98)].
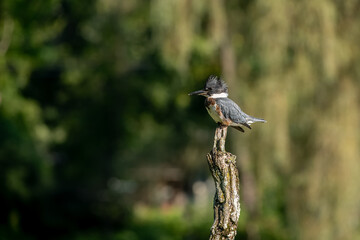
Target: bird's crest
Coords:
[(215, 82)]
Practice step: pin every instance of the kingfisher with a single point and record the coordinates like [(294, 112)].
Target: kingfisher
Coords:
[(223, 110)]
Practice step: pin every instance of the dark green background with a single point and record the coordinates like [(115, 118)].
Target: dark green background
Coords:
[(99, 139)]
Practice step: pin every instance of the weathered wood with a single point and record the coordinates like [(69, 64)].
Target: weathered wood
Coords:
[(227, 196)]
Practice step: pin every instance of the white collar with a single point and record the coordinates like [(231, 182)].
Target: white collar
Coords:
[(219, 95)]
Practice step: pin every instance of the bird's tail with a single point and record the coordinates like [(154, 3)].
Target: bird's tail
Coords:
[(250, 120)]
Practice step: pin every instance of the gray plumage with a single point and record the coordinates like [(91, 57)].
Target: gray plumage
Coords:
[(233, 112), (223, 110)]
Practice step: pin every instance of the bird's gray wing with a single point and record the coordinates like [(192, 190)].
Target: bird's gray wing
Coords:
[(232, 111)]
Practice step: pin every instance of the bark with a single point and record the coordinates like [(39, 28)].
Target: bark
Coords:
[(227, 196)]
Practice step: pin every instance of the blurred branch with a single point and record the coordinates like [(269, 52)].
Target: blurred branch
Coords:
[(227, 196)]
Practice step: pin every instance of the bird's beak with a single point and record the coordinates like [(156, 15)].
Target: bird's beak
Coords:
[(200, 92)]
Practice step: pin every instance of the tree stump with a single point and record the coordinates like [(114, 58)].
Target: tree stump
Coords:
[(227, 196)]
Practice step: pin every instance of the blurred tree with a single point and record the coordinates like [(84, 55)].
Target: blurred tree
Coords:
[(298, 63), (93, 99)]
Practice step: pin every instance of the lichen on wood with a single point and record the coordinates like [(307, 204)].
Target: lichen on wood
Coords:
[(227, 196)]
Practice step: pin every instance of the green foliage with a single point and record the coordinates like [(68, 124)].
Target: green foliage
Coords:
[(95, 119)]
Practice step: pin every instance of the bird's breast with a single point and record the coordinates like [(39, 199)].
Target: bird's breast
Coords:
[(213, 110)]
